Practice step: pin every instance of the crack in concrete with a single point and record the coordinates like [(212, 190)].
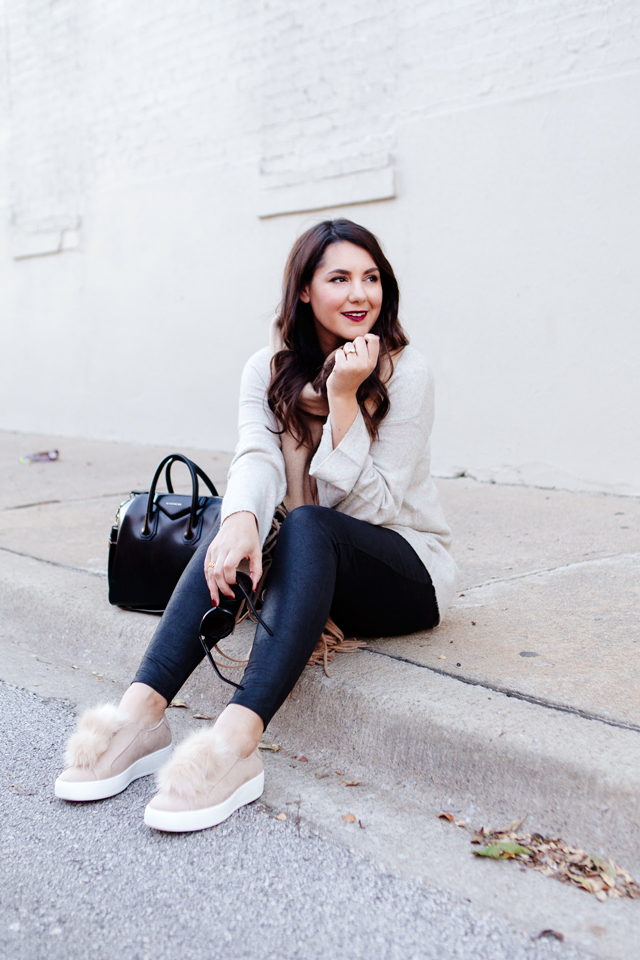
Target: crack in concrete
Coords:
[(55, 563), (515, 694), (45, 503), (562, 566), (495, 688)]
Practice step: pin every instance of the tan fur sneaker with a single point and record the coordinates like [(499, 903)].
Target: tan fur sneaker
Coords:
[(202, 785), (108, 751)]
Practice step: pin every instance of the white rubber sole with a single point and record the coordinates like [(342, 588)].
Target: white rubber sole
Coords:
[(101, 789), (187, 821)]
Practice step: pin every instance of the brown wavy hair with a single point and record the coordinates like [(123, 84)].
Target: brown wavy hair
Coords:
[(302, 361)]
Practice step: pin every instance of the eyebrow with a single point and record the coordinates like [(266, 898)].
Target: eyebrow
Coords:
[(340, 270)]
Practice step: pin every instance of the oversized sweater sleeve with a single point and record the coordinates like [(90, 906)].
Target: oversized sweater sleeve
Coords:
[(366, 479), (256, 479)]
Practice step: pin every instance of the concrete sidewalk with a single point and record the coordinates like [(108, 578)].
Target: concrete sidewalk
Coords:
[(526, 699)]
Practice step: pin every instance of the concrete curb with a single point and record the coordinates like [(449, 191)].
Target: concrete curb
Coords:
[(467, 748)]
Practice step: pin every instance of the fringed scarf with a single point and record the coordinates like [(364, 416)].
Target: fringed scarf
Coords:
[(301, 489)]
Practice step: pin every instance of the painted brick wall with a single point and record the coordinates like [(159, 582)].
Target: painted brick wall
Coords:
[(107, 93), (167, 155)]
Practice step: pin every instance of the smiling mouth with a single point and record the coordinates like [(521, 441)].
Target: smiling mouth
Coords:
[(355, 314)]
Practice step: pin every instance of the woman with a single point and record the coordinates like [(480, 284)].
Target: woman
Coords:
[(335, 419)]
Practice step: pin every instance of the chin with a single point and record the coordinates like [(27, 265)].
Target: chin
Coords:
[(353, 329)]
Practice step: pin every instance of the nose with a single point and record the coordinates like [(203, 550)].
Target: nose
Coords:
[(357, 293)]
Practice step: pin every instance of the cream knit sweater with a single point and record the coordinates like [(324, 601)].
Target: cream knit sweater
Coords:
[(387, 482)]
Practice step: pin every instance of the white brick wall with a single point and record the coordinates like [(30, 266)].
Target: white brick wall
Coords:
[(145, 142), (329, 93)]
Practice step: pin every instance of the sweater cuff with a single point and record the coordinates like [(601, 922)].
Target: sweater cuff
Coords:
[(342, 466), (229, 508)]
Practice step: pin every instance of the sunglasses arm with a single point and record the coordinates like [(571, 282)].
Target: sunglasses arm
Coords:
[(215, 666)]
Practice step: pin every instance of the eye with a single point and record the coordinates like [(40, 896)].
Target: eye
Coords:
[(338, 279), (373, 278)]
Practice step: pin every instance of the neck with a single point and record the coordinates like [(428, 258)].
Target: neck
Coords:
[(328, 341)]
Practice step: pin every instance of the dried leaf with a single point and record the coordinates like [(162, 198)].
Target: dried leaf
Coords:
[(551, 933), (551, 857), (281, 816), (349, 783), (442, 657), (348, 818), (303, 760), (177, 702), (19, 789), (202, 716), (321, 776), (360, 825), (515, 825), (339, 773), (493, 851), (460, 823), (274, 747), (447, 816), (511, 847)]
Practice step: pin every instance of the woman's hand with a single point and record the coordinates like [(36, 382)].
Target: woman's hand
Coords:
[(236, 540), (349, 371)]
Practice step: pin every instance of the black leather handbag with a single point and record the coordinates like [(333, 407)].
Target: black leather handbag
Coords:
[(154, 537)]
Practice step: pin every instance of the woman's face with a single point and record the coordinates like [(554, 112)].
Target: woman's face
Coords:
[(345, 295)]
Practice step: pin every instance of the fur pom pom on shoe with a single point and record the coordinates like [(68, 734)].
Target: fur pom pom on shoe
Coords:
[(203, 784), (200, 761), (96, 729), (109, 751)]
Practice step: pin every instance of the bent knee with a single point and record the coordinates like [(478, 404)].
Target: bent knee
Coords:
[(307, 520)]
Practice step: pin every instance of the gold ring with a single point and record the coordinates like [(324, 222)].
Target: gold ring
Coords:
[(211, 565)]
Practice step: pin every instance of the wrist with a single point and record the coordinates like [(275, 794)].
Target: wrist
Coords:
[(343, 397), (241, 516)]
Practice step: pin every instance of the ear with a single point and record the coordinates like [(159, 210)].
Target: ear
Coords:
[(304, 294)]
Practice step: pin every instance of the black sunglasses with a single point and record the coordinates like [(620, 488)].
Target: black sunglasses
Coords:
[(220, 621)]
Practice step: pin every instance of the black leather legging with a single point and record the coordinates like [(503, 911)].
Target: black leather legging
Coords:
[(368, 578)]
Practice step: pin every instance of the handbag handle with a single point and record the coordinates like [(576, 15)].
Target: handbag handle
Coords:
[(194, 471), (198, 470)]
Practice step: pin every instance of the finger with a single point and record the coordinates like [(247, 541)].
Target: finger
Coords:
[(340, 361), (255, 568), (373, 346), (213, 587), (220, 575), (230, 566), (361, 346)]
